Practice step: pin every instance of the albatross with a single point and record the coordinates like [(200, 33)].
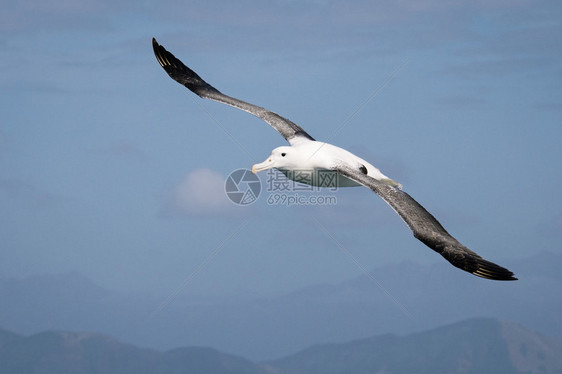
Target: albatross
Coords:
[(305, 153)]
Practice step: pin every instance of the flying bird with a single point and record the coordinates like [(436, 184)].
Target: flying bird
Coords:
[(305, 153)]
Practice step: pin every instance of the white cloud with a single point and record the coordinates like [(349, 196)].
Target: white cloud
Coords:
[(200, 193)]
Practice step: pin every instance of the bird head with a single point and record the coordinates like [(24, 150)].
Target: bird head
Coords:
[(280, 158)]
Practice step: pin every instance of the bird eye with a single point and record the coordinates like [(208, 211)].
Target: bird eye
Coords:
[(283, 154)]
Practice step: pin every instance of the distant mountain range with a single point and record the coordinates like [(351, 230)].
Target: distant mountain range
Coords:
[(415, 298), (84, 353), (474, 346)]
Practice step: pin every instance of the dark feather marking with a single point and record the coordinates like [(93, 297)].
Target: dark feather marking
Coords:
[(428, 230), (187, 77), (363, 169)]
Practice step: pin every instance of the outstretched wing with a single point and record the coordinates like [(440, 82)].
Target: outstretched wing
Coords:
[(187, 77), (428, 230)]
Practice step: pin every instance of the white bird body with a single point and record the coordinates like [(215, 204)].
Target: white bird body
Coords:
[(313, 162)]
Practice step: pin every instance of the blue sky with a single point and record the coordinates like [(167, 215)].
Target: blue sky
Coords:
[(109, 168)]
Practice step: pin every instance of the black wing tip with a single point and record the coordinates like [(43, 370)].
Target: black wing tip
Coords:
[(489, 270), (497, 277), (160, 52), (165, 58), (155, 45), (182, 74)]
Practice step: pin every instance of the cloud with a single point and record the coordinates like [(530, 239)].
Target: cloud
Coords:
[(124, 149), (27, 194), (200, 193), (356, 29), (25, 16), (331, 28)]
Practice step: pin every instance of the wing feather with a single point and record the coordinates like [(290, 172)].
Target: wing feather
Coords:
[(428, 230), (176, 69)]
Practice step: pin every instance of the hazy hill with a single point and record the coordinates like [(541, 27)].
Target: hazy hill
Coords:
[(476, 346), (473, 346), (431, 295), (85, 353), (7, 337)]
